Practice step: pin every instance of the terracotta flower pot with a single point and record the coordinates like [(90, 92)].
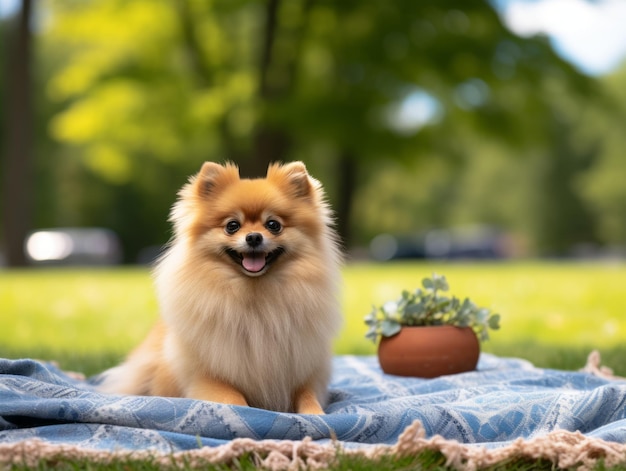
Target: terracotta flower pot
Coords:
[(430, 351)]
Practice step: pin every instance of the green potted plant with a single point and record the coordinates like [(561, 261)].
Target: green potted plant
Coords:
[(427, 334)]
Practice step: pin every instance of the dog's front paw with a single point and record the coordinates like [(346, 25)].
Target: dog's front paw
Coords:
[(209, 389), (306, 402), (314, 409)]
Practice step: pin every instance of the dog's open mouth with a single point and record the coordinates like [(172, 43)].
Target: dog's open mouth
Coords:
[(255, 262)]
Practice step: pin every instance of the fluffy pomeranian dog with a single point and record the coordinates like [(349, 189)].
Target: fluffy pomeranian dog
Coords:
[(247, 292)]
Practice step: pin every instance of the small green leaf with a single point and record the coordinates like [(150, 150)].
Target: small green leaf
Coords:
[(390, 307), (482, 315), (372, 317), (372, 334), (443, 303), (494, 322), (412, 309), (440, 283), (428, 283), (389, 328)]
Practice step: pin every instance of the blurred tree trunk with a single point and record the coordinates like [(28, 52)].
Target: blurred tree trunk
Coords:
[(269, 144), (347, 181), (562, 219), (17, 186), (277, 76)]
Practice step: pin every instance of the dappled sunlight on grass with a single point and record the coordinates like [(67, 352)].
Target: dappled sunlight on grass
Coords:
[(75, 310), (108, 311)]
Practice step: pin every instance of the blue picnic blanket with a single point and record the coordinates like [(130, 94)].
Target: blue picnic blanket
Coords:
[(503, 400)]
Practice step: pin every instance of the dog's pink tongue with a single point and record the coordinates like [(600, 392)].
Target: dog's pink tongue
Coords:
[(253, 262)]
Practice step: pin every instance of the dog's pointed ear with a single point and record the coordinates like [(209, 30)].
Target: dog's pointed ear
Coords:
[(212, 175), (207, 177), (296, 176)]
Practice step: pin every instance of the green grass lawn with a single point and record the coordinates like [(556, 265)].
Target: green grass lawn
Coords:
[(552, 313)]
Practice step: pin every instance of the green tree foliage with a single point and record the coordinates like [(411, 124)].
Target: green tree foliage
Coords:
[(133, 122), (142, 92), (603, 186)]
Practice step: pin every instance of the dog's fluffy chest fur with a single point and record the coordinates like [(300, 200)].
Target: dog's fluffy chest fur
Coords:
[(250, 333)]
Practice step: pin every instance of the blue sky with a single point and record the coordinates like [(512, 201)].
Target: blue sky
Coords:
[(589, 33)]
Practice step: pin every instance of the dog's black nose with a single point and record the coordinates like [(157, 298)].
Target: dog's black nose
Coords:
[(254, 239)]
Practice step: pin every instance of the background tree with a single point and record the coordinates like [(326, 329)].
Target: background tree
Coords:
[(139, 93), (17, 188), (602, 186)]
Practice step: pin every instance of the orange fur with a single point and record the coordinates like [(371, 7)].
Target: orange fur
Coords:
[(247, 316)]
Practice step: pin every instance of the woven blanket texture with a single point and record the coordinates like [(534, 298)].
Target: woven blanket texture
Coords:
[(507, 406)]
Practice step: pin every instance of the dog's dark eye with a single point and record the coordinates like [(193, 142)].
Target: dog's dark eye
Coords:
[(232, 227), (273, 226)]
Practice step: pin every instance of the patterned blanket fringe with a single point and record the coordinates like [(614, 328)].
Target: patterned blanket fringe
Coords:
[(563, 449), (594, 367)]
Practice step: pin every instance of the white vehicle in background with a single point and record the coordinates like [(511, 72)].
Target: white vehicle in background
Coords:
[(73, 246)]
